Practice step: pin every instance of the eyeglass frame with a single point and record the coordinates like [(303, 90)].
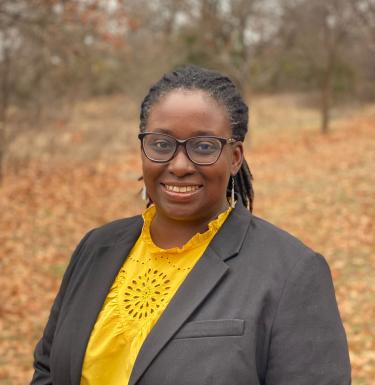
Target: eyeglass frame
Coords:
[(182, 142)]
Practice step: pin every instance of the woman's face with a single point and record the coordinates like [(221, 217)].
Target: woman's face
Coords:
[(184, 114)]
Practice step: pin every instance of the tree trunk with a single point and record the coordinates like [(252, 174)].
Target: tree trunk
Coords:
[(5, 91), (328, 72), (2, 151), (326, 91), (326, 102)]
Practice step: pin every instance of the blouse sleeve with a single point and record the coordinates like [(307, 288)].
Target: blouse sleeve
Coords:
[(43, 348), (308, 344)]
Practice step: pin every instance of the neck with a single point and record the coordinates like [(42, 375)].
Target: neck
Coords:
[(167, 232)]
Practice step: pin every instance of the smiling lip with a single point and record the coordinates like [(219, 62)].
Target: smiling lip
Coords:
[(181, 190)]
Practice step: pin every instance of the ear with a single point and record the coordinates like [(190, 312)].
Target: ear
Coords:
[(237, 157)]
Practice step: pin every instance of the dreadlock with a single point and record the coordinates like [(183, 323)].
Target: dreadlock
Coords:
[(223, 90)]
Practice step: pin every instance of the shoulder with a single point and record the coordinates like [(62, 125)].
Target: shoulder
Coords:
[(271, 235), (272, 248), (114, 231)]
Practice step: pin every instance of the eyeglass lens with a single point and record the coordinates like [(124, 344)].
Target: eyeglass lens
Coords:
[(201, 150)]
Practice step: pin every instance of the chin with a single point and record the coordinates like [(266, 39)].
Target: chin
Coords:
[(185, 212), (181, 212)]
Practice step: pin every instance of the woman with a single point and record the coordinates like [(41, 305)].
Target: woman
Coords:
[(198, 290)]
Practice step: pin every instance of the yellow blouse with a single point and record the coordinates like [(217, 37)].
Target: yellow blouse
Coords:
[(141, 291)]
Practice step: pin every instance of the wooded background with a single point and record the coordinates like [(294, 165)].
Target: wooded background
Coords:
[(72, 76), (55, 52)]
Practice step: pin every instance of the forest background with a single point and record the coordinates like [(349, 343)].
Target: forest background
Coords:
[(72, 76)]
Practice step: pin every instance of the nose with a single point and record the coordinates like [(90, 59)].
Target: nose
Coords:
[(180, 165)]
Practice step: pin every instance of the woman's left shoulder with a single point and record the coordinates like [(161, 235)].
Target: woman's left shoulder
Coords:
[(278, 246)]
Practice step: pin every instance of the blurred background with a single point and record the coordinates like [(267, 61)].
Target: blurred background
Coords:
[(72, 76)]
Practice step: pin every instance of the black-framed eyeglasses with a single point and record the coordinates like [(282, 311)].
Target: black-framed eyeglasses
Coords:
[(201, 150)]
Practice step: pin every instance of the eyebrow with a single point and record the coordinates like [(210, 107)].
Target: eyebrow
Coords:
[(195, 133)]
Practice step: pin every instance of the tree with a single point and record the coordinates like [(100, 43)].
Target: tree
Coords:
[(41, 47), (364, 10), (316, 33)]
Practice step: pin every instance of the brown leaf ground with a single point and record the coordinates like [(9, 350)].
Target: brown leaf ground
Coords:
[(319, 188)]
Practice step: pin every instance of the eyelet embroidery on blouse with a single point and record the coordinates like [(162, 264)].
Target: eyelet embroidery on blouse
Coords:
[(146, 294)]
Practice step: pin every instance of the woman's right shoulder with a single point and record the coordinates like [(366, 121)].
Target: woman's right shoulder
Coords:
[(114, 231)]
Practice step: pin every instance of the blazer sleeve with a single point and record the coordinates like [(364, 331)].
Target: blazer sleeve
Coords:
[(42, 375), (308, 343)]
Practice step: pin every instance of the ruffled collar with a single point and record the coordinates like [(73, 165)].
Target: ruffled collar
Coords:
[(197, 240)]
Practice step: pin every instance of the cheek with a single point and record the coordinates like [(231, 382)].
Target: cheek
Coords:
[(150, 171), (218, 178)]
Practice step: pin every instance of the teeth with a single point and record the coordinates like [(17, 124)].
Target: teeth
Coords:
[(182, 189)]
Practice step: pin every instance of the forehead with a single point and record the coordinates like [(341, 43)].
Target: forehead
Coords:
[(185, 113)]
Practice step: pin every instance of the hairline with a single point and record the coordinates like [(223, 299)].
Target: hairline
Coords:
[(182, 88)]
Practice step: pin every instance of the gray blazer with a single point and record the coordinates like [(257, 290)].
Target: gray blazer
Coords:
[(258, 308)]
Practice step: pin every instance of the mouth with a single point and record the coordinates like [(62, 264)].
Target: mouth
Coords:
[(178, 191), (182, 189)]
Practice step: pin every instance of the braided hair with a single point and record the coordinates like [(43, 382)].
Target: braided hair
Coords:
[(223, 90)]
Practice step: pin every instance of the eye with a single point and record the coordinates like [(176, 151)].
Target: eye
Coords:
[(205, 146), (161, 145)]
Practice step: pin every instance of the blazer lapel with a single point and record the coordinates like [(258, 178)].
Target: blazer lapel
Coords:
[(203, 278), (96, 284)]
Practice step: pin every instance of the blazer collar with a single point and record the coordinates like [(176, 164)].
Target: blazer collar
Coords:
[(228, 241)]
